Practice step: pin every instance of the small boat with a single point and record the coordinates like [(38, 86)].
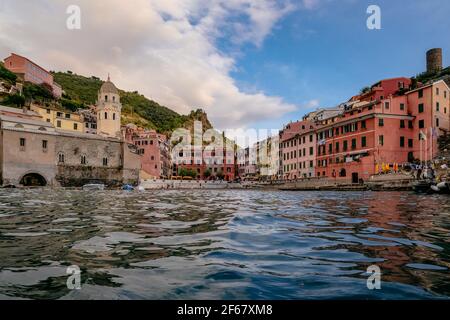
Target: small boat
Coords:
[(128, 187), (94, 186)]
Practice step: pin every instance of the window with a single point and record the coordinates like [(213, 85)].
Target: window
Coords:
[(114, 116), (386, 105), (353, 144), (402, 142), (381, 140), (58, 123), (151, 143), (402, 106), (311, 151), (67, 115), (363, 124), (437, 122), (311, 164), (445, 94), (381, 122), (410, 124), (48, 120), (420, 93), (152, 158), (59, 114), (75, 126), (345, 145), (22, 142), (114, 98), (402, 124), (363, 142), (330, 148), (337, 146), (410, 143), (61, 158), (83, 159), (105, 162), (106, 115), (437, 91), (421, 124), (421, 107), (48, 111), (437, 106), (106, 98), (44, 144)]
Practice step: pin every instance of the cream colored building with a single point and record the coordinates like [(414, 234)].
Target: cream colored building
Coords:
[(108, 111), (63, 120)]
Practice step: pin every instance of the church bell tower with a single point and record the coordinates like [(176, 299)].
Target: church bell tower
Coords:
[(108, 110)]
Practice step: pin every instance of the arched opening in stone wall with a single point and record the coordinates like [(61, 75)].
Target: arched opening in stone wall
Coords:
[(33, 180)]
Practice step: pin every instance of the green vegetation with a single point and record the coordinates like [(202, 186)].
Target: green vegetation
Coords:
[(207, 173), (36, 92), (427, 76), (7, 75), (14, 100), (182, 172), (80, 92)]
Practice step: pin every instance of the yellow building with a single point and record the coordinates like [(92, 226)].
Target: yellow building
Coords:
[(60, 119)]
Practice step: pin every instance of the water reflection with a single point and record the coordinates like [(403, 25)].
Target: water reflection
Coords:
[(223, 244)]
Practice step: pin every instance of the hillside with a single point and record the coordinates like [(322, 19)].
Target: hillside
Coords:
[(82, 91), (426, 77)]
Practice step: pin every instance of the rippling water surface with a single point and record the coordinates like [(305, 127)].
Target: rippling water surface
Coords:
[(223, 244)]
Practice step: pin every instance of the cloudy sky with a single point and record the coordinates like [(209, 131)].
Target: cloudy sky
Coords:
[(248, 63)]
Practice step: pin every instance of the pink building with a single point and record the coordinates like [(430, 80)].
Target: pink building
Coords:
[(297, 150), (148, 145), (29, 71)]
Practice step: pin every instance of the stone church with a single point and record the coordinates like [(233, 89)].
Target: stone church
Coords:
[(35, 153)]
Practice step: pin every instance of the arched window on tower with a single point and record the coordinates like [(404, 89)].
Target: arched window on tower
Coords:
[(106, 115), (114, 98), (106, 98), (114, 116)]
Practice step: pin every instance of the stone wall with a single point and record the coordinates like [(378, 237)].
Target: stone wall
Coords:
[(122, 166), (17, 161)]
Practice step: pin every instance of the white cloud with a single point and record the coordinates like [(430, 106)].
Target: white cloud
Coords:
[(166, 50)]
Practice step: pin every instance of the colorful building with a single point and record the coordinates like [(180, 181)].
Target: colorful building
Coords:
[(60, 119), (382, 130), (298, 149), (29, 71), (208, 162)]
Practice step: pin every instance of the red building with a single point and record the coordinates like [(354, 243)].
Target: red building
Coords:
[(29, 71), (383, 128), (208, 162)]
